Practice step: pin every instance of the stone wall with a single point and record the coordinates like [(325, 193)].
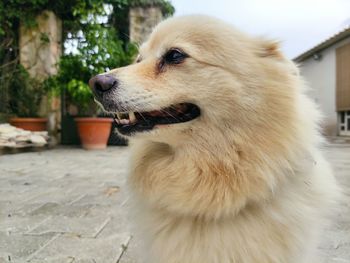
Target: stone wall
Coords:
[(40, 50), (41, 46), (142, 21)]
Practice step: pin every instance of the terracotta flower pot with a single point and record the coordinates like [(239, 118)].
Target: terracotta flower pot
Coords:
[(94, 132), (30, 124)]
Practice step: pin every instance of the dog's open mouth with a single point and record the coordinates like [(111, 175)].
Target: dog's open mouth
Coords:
[(131, 122)]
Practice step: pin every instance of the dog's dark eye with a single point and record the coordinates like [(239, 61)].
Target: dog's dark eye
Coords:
[(174, 56)]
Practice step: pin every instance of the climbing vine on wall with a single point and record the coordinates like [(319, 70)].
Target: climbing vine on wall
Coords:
[(16, 86), (81, 24)]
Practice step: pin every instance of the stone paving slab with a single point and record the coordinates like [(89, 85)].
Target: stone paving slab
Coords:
[(84, 249), (20, 224), (81, 227), (56, 195), (17, 247), (55, 209), (68, 205), (59, 260)]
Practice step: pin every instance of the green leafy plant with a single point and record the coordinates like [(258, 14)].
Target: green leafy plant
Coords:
[(25, 94), (20, 95), (98, 51), (100, 46)]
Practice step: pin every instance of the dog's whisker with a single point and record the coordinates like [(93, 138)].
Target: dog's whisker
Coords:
[(142, 116), (170, 114)]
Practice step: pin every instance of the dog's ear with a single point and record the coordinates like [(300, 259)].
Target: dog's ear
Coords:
[(269, 48)]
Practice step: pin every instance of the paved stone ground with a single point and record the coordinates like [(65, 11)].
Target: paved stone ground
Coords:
[(69, 205), (63, 205)]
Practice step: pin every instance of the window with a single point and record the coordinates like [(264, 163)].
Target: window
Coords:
[(344, 122)]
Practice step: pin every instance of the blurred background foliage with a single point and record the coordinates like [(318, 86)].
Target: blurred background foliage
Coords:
[(95, 38)]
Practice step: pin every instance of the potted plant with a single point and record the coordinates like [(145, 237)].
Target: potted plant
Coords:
[(93, 131), (26, 96), (97, 51)]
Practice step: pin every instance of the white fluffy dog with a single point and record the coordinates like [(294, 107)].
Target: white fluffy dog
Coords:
[(226, 166)]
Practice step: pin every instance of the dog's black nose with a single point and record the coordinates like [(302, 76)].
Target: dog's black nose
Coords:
[(103, 83)]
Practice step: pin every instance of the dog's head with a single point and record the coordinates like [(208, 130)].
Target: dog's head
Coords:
[(195, 72)]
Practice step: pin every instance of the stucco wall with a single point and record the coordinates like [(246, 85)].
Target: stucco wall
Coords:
[(320, 75)]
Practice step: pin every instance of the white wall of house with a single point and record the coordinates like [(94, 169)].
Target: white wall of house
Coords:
[(320, 75)]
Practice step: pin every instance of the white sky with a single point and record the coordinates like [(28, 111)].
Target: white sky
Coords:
[(299, 24)]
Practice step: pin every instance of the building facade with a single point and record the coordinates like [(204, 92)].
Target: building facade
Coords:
[(326, 70)]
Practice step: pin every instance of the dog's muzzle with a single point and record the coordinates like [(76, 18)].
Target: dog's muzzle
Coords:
[(128, 123)]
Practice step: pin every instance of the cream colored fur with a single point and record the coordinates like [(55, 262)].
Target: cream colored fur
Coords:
[(246, 181)]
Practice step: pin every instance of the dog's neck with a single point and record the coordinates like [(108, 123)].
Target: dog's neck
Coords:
[(207, 177)]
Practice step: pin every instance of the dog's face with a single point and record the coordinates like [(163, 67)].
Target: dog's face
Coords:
[(192, 73)]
